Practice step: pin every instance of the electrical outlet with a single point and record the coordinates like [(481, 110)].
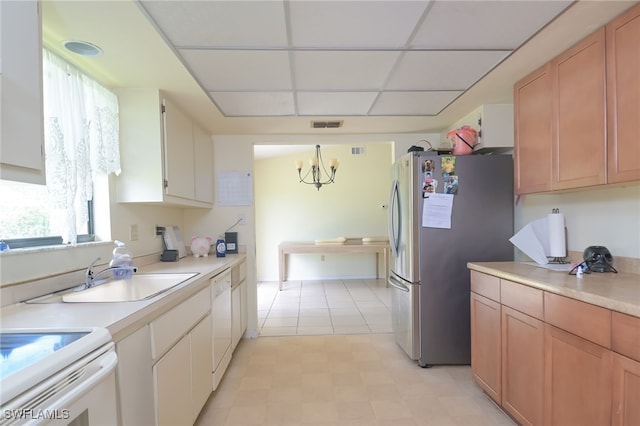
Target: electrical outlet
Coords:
[(241, 219), (133, 232), (322, 258)]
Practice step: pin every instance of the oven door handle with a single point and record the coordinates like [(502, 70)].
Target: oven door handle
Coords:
[(107, 366)]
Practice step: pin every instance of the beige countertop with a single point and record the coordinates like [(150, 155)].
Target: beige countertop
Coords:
[(120, 318), (618, 292)]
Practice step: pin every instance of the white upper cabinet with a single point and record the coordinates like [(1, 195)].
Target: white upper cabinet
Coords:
[(166, 157), (21, 113), (494, 124)]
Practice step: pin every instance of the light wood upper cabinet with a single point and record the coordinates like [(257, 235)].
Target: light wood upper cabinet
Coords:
[(166, 157), (623, 96), (579, 134), (576, 118), (21, 112), (533, 132)]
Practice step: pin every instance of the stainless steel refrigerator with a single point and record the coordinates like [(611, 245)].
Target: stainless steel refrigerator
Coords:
[(444, 211)]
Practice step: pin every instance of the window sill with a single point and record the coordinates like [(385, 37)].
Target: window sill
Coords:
[(45, 249)]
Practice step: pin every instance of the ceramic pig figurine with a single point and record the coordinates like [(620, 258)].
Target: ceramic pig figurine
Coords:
[(200, 246)]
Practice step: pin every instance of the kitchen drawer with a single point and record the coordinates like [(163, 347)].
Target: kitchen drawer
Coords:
[(625, 335), (485, 285), (527, 300), (172, 325), (582, 319)]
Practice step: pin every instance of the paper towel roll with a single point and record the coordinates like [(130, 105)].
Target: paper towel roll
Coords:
[(557, 242)]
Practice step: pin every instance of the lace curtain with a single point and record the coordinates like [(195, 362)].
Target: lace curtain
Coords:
[(81, 141)]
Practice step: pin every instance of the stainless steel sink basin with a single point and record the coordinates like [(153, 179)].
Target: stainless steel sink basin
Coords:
[(139, 287)]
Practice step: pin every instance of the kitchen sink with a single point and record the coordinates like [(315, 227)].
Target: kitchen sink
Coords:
[(138, 287)]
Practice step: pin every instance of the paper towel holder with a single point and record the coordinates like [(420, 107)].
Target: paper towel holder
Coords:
[(560, 259)]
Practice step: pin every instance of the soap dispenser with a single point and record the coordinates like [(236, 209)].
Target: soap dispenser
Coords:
[(122, 258)]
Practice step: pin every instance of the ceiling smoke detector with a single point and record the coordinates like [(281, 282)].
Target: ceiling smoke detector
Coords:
[(326, 124)]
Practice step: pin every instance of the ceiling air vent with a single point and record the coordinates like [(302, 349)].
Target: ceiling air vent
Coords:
[(326, 124)]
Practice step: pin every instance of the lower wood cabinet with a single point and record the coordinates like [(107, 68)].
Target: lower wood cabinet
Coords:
[(626, 391), (485, 345), (522, 366), (548, 359), (577, 380)]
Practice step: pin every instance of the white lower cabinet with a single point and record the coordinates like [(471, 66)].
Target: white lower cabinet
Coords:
[(168, 368), (222, 326), (182, 350), (238, 303), (134, 378), (182, 385), (201, 359), (172, 379)]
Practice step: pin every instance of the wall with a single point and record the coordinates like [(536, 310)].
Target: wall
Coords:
[(235, 153), (287, 210), (608, 215)]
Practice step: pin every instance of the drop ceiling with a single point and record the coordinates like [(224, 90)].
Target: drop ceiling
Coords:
[(343, 58), (179, 46)]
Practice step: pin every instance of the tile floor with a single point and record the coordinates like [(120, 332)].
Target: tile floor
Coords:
[(324, 307), (362, 379)]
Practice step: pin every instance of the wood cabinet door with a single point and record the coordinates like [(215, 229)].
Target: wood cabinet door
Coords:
[(485, 345), (626, 391), (623, 97), (533, 132), (579, 133), (522, 366), (577, 380)]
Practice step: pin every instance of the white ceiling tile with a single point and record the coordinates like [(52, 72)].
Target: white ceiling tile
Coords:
[(256, 104), (336, 103), (221, 23), (442, 70), (240, 70), (354, 24), (343, 70), (413, 103), (484, 24)]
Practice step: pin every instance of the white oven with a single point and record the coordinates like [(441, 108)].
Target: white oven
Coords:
[(57, 377)]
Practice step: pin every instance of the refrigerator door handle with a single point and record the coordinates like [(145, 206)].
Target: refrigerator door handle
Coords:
[(393, 238), (397, 284)]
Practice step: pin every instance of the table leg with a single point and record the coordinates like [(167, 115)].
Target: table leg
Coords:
[(282, 271)]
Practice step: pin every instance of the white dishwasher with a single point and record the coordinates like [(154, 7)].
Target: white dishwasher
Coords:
[(221, 318)]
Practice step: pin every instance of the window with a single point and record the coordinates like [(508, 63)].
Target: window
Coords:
[(81, 142)]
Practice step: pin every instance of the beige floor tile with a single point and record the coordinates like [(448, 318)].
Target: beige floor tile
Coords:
[(326, 378), (319, 412)]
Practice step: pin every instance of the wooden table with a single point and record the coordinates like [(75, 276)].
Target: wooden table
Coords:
[(352, 245)]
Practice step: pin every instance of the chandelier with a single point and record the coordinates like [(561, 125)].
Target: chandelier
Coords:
[(317, 167)]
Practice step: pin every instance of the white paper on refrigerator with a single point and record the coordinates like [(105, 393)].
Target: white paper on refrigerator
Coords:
[(436, 211)]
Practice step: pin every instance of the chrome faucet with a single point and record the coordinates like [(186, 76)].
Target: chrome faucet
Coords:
[(90, 276)]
